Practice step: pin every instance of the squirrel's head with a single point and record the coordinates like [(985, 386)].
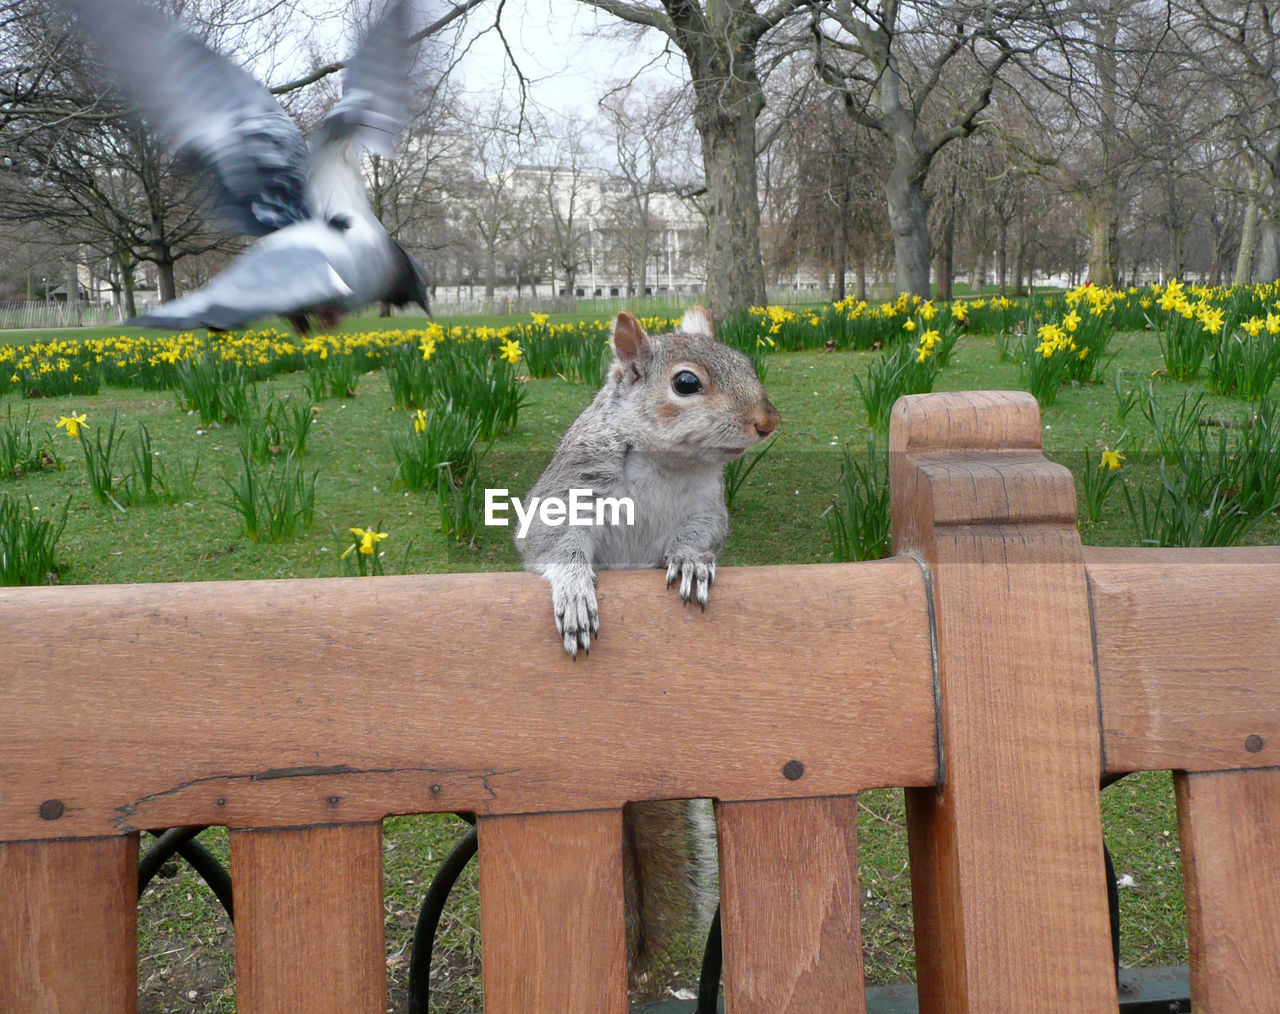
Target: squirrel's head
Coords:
[(696, 397)]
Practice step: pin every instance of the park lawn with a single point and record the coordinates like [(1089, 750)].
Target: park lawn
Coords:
[(186, 962)]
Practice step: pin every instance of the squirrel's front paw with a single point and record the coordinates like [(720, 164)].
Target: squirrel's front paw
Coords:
[(573, 600), (696, 572)]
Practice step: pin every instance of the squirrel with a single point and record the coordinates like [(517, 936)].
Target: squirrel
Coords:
[(674, 409)]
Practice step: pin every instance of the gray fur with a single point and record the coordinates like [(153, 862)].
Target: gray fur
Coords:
[(638, 438)]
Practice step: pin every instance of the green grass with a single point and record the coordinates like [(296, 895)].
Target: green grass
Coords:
[(777, 518)]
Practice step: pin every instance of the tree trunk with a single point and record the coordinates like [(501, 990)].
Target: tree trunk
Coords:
[(1019, 266), (127, 285), (1267, 266), (73, 292), (909, 220), (1248, 235), (490, 271), (725, 115), (1101, 207), (1004, 257), (946, 258), (1101, 220), (841, 252)]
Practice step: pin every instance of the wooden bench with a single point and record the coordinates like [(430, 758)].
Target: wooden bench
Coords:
[(994, 668)]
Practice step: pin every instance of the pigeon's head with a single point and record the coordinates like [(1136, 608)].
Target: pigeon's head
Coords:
[(410, 284)]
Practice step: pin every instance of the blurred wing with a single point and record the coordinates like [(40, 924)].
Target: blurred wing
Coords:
[(375, 91), (213, 114), (283, 280)]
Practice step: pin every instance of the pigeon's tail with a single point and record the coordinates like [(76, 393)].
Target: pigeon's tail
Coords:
[(410, 282)]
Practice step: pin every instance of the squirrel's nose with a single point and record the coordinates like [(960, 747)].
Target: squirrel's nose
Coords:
[(766, 419)]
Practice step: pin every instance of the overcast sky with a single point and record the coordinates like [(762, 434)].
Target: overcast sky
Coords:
[(569, 50)]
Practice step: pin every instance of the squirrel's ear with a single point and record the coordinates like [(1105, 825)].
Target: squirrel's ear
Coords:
[(630, 343), (696, 320)]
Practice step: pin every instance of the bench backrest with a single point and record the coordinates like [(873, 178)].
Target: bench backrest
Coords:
[(994, 668)]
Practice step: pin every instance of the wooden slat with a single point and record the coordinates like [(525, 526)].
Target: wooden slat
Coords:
[(312, 702), (68, 932), (1015, 831), (789, 906), (1187, 647), (551, 913), (1229, 825), (309, 922)]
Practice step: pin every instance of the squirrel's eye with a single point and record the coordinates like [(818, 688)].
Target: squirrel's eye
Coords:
[(686, 382)]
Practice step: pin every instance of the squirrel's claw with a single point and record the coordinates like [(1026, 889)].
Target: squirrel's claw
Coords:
[(573, 601), (696, 575)]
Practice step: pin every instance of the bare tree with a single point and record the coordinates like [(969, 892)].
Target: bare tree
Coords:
[(489, 195), (567, 196), (643, 130), (1236, 48), (720, 40), (920, 73), (824, 203)]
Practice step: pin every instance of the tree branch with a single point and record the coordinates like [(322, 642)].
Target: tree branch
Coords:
[(332, 68)]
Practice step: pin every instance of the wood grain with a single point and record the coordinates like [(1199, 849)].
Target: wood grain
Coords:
[(551, 913), (309, 920), (1229, 824), (312, 702), (68, 935), (789, 906), (1187, 648), (1015, 828)]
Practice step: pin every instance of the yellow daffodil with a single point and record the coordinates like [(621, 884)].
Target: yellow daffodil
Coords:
[(428, 347), (1253, 325), (1111, 459), (72, 423), (1051, 339), (910, 325), (366, 542), (1071, 321), (539, 318), (510, 351), (419, 421), (1211, 320)]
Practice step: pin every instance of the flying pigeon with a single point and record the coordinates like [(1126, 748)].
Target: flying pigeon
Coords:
[(321, 250)]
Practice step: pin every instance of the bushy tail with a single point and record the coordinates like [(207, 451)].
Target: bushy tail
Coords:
[(670, 876)]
